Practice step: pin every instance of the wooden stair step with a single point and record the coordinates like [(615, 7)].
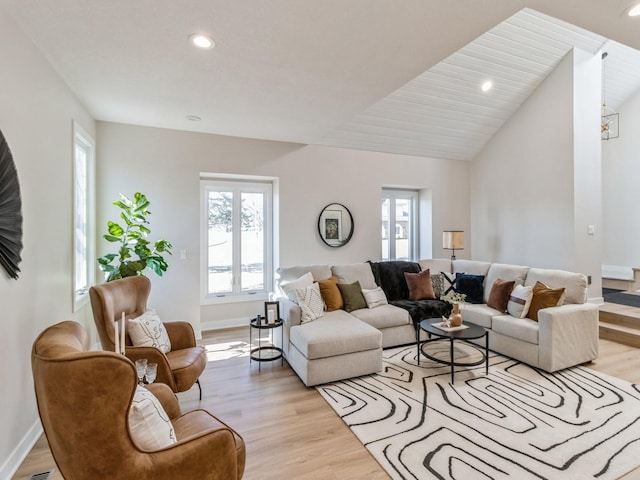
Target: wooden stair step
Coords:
[(628, 318), (620, 333)]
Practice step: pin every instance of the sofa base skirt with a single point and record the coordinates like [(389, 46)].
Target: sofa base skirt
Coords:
[(400, 335), (330, 369), (512, 347)]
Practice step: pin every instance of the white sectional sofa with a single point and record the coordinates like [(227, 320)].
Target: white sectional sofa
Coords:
[(342, 345), (563, 336)]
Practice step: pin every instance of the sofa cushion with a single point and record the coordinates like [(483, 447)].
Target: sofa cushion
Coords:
[(384, 316), (374, 297), (360, 272), (436, 265), (390, 276), (575, 284), (523, 329), (337, 333), (420, 286), (505, 272), (470, 266), (311, 303), (500, 293), (289, 287), (422, 309), (472, 286), (519, 301), (352, 296), (479, 314), (543, 297), (319, 272), (331, 294)]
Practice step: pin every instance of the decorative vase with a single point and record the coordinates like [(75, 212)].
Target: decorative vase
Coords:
[(455, 319)]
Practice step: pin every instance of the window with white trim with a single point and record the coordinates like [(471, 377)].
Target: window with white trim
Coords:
[(83, 215), (399, 224), (237, 240)]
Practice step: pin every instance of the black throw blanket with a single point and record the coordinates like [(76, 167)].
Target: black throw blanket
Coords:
[(390, 276)]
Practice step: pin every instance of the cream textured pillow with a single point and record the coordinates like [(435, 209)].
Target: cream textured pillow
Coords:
[(374, 297), (311, 303), (519, 301), (289, 288), (147, 330), (150, 426)]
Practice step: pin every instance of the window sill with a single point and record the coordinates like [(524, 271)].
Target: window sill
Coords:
[(214, 300)]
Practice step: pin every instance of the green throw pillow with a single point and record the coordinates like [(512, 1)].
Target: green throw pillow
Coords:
[(352, 296)]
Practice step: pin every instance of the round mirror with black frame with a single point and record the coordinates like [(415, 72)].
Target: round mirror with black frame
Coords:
[(335, 225)]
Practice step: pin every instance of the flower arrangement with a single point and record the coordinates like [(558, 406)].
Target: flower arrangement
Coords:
[(453, 297)]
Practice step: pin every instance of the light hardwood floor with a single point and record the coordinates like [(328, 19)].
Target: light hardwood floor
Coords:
[(290, 432)]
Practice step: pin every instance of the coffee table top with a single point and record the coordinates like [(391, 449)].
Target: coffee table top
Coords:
[(473, 331)]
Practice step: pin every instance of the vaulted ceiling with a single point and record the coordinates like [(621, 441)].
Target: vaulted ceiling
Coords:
[(383, 75)]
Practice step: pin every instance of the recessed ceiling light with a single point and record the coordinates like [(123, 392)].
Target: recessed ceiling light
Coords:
[(634, 11), (202, 41), (486, 86), (193, 118)]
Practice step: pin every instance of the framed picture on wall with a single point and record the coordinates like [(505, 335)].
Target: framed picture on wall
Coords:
[(271, 312), (332, 226)]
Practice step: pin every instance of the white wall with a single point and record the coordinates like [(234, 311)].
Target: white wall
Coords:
[(620, 175), (165, 165), (36, 114), (535, 184), (587, 168)]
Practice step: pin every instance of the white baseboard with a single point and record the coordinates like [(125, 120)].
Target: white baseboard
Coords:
[(596, 300), (12, 464), (226, 323)]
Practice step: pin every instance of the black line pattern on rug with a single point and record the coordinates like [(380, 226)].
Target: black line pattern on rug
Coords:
[(517, 422)]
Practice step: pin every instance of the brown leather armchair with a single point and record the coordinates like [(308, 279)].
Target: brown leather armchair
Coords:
[(83, 400), (181, 367)]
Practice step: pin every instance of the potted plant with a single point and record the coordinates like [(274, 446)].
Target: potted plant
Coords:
[(134, 252)]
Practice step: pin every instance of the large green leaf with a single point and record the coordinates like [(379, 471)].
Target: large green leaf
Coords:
[(115, 229)]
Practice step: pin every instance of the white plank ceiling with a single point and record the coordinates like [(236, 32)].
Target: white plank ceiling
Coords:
[(444, 114)]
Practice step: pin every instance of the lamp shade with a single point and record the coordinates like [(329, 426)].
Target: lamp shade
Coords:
[(453, 239)]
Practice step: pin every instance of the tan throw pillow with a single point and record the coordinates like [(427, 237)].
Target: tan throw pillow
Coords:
[(544, 297), (331, 294), (500, 293), (420, 286)]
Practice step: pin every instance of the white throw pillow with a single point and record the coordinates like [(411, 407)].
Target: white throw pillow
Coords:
[(147, 330), (520, 301), (150, 426), (289, 288), (311, 303), (374, 297)]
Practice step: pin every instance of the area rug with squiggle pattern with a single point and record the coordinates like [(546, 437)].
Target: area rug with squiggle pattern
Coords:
[(517, 422)]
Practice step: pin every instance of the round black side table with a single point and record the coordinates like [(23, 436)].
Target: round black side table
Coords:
[(269, 351)]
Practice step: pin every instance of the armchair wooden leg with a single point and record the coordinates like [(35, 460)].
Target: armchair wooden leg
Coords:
[(200, 387)]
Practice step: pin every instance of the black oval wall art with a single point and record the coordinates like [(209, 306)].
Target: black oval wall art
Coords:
[(10, 212)]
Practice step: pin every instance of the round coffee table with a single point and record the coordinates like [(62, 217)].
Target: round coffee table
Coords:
[(472, 332)]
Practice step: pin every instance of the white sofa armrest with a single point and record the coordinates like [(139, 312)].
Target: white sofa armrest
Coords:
[(567, 336), (290, 312)]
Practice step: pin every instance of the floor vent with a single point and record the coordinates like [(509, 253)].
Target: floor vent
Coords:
[(42, 475)]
